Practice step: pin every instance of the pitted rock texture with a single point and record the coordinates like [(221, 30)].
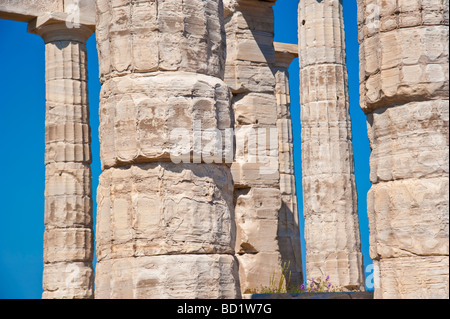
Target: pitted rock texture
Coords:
[(333, 246), (184, 276), (165, 229), (404, 92), (68, 236), (263, 217), (139, 115), (288, 235), (165, 208), (148, 36)]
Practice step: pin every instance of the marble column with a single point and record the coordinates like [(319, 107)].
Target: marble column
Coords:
[(332, 235), (250, 74), (165, 226), (68, 236), (288, 228), (404, 86)]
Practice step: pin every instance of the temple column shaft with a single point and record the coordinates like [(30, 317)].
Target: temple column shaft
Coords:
[(68, 237), (165, 226), (288, 229), (332, 235), (404, 88), (249, 73)]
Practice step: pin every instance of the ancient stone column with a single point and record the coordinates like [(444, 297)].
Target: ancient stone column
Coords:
[(68, 237), (288, 228), (165, 219), (404, 88), (332, 235), (249, 27)]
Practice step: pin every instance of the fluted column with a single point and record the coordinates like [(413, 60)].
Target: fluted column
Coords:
[(249, 73), (288, 229), (404, 89), (68, 237), (329, 192), (165, 226)]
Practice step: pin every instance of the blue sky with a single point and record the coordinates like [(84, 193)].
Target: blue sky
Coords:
[(22, 115)]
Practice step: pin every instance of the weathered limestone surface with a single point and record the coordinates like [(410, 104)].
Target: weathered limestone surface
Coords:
[(164, 208), (165, 230), (288, 228), (249, 29), (139, 114), (197, 276), (329, 192), (68, 237), (404, 92), (262, 220)]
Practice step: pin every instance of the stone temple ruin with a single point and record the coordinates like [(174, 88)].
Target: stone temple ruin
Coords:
[(197, 196)]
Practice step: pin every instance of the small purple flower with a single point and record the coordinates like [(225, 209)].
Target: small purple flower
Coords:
[(329, 284), (302, 287), (328, 278)]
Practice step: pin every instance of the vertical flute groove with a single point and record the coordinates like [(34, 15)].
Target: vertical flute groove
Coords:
[(68, 237), (404, 88), (329, 193), (165, 229)]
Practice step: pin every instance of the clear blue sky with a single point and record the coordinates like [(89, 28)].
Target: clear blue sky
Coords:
[(22, 114)]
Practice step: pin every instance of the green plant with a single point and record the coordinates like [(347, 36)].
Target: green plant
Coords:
[(284, 279), (278, 284)]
